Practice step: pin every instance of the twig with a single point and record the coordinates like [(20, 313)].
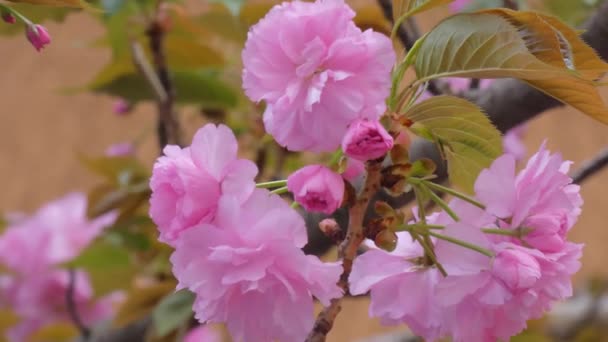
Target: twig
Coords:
[(168, 129), (407, 37), (590, 167), (147, 71), (347, 251), (85, 332), (511, 4)]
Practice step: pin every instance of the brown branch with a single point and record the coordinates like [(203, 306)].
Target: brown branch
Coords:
[(347, 251), (168, 128), (590, 167), (72, 309)]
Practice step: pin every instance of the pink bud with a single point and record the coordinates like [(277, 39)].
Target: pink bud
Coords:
[(8, 18), (517, 268), (125, 149), (366, 140), (354, 169), (317, 188), (38, 36), (122, 107)]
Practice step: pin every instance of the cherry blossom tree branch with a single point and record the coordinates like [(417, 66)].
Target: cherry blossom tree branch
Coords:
[(85, 332), (507, 102), (347, 251), (168, 128), (591, 167)]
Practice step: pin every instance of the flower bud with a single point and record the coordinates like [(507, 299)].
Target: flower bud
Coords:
[(38, 36), (317, 188), (8, 18), (366, 140), (386, 240)]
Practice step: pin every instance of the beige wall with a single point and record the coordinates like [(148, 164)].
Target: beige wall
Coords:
[(41, 129)]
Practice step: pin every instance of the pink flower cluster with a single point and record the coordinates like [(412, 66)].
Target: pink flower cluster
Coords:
[(483, 298), (319, 74), (32, 248), (236, 247)]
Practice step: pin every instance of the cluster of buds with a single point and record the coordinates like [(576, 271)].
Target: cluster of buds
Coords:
[(37, 34)]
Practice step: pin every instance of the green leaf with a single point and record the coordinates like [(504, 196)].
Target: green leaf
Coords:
[(101, 255), (467, 138), (59, 3), (172, 312), (116, 170), (408, 8), (478, 45), (192, 87), (573, 12), (141, 301)]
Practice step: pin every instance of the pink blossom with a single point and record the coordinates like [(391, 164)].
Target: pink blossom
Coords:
[(540, 199), (366, 140), (56, 233), (354, 169), (122, 107), (40, 300), (391, 279), (8, 18), (187, 183), (38, 36), (316, 71), (124, 149), (203, 333), (248, 271), (317, 188), (512, 144), (459, 5)]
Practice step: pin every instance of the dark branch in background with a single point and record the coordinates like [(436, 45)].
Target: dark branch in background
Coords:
[(85, 332), (408, 34), (511, 4), (168, 128), (590, 167), (507, 102)]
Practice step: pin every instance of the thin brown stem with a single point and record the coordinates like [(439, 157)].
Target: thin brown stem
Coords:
[(72, 309), (168, 128), (347, 251)]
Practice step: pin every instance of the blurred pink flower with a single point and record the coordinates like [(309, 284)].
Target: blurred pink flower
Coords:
[(512, 144), (459, 5), (247, 270), (317, 188), (540, 199), (354, 169), (8, 18), (366, 140), (38, 36), (392, 278), (56, 233), (316, 71), (203, 333), (122, 107), (187, 183), (40, 300), (124, 149)]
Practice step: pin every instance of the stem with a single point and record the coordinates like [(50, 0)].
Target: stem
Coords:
[(454, 193), (280, 191), (441, 203), (464, 244), (273, 184), (16, 14), (591, 167), (85, 332), (497, 231), (168, 128), (347, 251)]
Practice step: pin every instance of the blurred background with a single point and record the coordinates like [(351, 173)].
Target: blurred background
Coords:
[(48, 118)]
